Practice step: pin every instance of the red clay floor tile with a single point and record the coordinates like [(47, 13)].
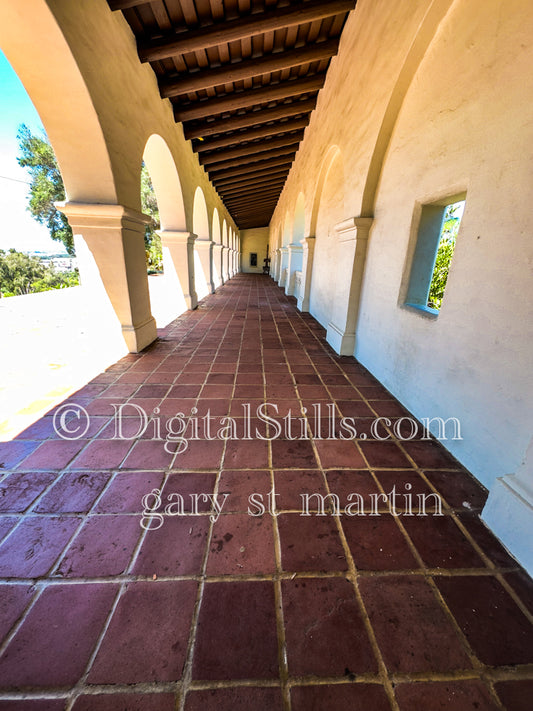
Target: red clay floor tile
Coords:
[(67, 619), (20, 489), (33, 547), (325, 632), (242, 545), (291, 486), (240, 486), (340, 697), (102, 454), (440, 542), (53, 454), (126, 492), (515, 695), (244, 698), (176, 548), (297, 454), (236, 636), (103, 547), (485, 612), (129, 702), (376, 543), (130, 651), (11, 453), (412, 630), (310, 543), (469, 695), (15, 599), (73, 493)]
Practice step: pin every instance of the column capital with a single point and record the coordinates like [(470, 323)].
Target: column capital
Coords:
[(102, 216), (294, 247), (353, 228), (175, 237), (203, 243)]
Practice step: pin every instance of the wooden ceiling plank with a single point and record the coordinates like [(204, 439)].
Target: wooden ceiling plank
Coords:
[(253, 159), (258, 179), (245, 99), (251, 134), (251, 150), (264, 193), (203, 79), (254, 167), (265, 181), (254, 118), (125, 4), (238, 29)]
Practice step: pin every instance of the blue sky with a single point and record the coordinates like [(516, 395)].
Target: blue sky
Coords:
[(18, 229)]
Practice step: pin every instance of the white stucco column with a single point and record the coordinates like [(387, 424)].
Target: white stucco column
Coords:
[(178, 263), (225, 263), (509, 510), (217, 265), (308, 254), (294, 263), (204, 247), (284, 258), (233, 262), (112, 264), (352, 241), (277, 268)]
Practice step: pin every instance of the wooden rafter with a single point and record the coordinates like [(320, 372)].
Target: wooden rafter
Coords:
[(250, 149), (240, 181), (234, 123), (252, 134), (255, 167), (241, 28), (249, 68), (124, 4), (258, 184), (247, 99), (252, 160)]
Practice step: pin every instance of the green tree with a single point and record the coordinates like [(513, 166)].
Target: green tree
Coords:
[(46, 185), (450, 228), (152, 241), (21, 274)]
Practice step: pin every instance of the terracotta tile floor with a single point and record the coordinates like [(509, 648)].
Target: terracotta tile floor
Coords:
[(215, 608)]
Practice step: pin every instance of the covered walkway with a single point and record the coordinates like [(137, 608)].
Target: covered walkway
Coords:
[(107, 603)]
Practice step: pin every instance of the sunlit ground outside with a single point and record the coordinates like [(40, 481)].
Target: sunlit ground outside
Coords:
[(52, 344)]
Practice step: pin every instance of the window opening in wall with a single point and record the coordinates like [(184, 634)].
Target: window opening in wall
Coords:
[(253, 259), (448, 235), (437, 235)]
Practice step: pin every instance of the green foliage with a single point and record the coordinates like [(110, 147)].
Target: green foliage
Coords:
[(152, 241), (450, 228), (46, 185), (22, 274)]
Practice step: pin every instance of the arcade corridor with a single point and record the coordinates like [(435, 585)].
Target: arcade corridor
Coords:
[(233, 608)]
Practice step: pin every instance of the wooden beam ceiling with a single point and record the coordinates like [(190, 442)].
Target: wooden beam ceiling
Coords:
[(248, 69), (251, 148), (248, 99), (257, 23), (254, 118), (243, 79), (251, 134)]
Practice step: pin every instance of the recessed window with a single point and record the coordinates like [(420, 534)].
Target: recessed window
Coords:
[(437, 235), (253, 259)]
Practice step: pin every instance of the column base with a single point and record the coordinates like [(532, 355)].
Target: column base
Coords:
[(509, 514), (341, 342), (138, 337)]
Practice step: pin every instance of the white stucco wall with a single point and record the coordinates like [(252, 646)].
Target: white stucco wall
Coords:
[(254, 240), (447, 108), (464, 125)]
